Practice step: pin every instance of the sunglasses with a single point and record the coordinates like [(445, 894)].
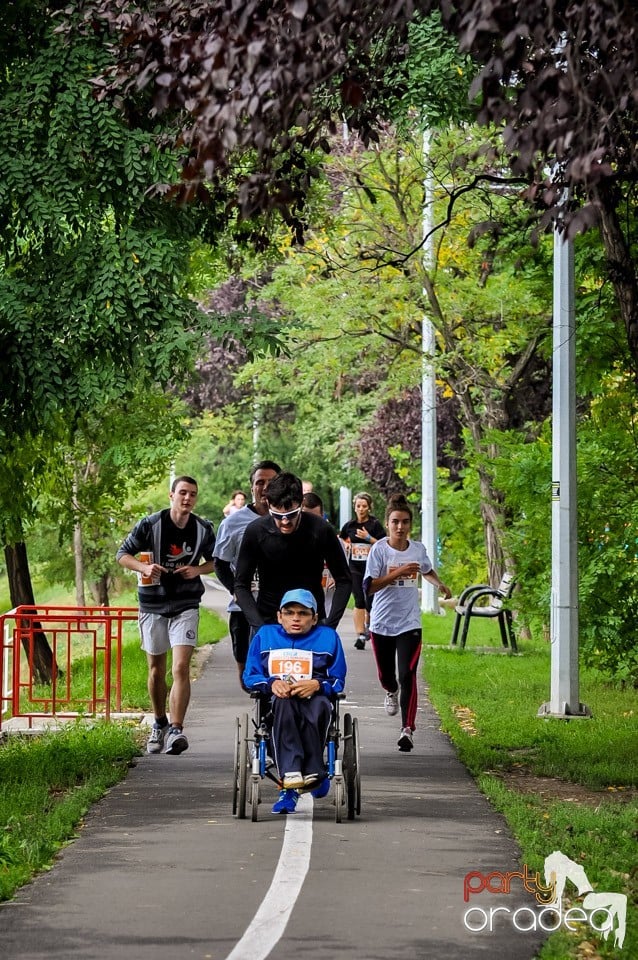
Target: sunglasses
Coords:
[(284, 516)]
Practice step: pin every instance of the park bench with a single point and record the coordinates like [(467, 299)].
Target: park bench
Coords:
[(481, 600)]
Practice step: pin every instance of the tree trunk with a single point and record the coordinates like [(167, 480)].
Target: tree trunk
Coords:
[(490, 506), (495, 562), (80, 597), (620, 265), (100, 590), (78, 553), (492, 524), (21, 590)]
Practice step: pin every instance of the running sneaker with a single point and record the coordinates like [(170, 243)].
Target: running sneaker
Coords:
[(322, 790), (155, 743), (310, 780), (360, 642), (391, 703), (176, 742), (287, 802), (405, 741), (293, 781)]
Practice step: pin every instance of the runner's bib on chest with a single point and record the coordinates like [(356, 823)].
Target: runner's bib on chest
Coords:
[(405, 581), (290, 663), (360, 551)]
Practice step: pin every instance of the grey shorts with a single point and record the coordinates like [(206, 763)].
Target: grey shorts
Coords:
[(158, 633)]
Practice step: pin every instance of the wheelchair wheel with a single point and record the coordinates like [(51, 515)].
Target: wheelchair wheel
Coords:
[(350, 766), (240, 771), (254, 797), (357, 764), (339, 792)]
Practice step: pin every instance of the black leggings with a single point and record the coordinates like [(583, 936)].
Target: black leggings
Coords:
[(402, 652), (362, 601), (239, 630)]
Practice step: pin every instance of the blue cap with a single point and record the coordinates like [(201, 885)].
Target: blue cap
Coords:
[(303, 597)]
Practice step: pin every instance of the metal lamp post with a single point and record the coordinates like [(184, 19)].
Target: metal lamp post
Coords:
[(564, 696), (429, 507)]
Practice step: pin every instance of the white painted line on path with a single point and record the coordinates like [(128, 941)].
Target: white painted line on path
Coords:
[(268, 925)]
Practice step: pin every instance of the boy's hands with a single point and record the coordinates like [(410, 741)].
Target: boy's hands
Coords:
[(281, 689), (299, 688), (305, 688)]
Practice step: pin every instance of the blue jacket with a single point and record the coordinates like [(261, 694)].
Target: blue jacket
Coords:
[(328, 659)]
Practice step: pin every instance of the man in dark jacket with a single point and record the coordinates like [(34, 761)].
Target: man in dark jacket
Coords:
[(171, 544), (229, 537), (288, 549)]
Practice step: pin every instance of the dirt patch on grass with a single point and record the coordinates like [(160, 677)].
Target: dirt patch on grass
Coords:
[(551, 788)]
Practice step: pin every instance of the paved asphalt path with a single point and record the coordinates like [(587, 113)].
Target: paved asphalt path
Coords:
[(162, 871)]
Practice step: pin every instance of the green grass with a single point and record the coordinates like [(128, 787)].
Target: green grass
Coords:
[(47, 784), (49, 781), (212, 628), (488, 705), (47, 593)]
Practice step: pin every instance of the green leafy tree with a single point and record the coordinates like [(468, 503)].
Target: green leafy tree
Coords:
[(105, 458), (354, 295), (430, 86), (330, 383), (608, 531), (487, 298), (93, 300), (559, 80), (93, 305), (90, 269)]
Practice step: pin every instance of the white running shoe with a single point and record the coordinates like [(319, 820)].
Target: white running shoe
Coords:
[(155, 743), (293, 780), (391, 703), (176, 741)]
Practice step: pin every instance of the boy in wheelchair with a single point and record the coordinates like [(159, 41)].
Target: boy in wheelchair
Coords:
[(301, 666)]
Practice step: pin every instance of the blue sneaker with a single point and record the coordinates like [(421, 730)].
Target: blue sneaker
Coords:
[(322, 790), (287, 802)]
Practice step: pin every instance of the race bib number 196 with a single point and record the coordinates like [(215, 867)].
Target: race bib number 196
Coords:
[(290, 663)]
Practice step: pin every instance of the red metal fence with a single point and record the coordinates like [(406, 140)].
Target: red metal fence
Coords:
[(85, 666)]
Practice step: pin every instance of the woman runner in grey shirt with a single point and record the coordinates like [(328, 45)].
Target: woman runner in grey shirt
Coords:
[(392, 578)]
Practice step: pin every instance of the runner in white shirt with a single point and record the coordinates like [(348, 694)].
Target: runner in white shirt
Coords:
[(392, 578)]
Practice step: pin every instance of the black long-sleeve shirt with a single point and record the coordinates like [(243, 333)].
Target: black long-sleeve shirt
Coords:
[(287, 561)]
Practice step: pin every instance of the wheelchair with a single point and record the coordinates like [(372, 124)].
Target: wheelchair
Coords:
[(253, 762)]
